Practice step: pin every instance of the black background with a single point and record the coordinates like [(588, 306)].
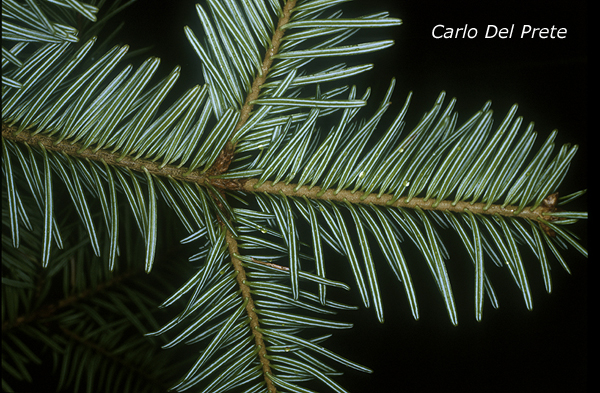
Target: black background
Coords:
[(512, 349)]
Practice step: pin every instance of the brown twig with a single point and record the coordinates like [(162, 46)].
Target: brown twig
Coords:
[(226, 154), (384, 200), (112, 159), (258, 337), (222, 164)]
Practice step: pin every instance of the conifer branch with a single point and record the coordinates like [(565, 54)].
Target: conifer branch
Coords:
[(226, 155), (277, 139), (222, 164), (102, 155), (50, 309), (115, 359), (387, 200), (258, 337)]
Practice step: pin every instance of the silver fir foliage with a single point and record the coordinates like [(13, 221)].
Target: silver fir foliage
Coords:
[(266, 168)]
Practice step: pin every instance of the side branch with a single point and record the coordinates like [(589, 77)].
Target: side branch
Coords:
[(266, 64), (112, 357), (113, 159), (430, 204), (227, 153), (258, 337), (49, 310)]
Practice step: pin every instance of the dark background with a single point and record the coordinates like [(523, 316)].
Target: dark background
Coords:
[(512, 349)]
